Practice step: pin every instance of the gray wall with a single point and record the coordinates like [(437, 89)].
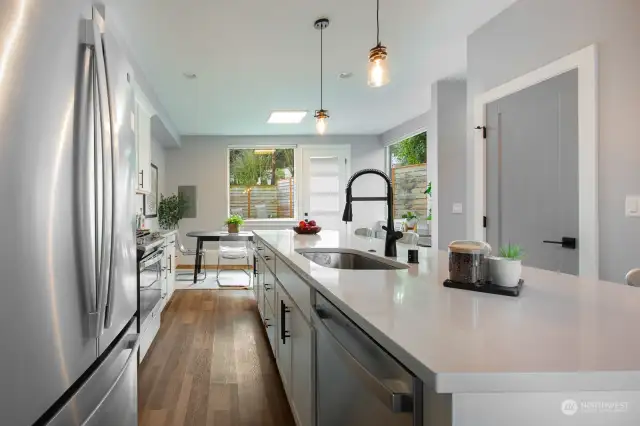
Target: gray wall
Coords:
[(532, 33), (408, 128), (449, 115), (202, 160)]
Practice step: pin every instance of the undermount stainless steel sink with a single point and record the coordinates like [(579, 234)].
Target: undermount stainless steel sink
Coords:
[(348, 259)]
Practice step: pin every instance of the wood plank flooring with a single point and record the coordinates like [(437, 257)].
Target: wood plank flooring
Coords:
[(210, 364)]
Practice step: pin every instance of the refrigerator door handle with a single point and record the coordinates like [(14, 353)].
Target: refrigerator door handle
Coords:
[(108, 322), (105, 172), (85, 191)]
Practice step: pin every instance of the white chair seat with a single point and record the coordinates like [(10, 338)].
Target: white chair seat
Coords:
[(233, 252)]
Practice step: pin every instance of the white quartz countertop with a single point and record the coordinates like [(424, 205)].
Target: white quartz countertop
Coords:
[(563, 333)]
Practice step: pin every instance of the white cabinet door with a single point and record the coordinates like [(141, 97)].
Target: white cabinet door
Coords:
[(285, 308), (301, 387), (143, 142), (171, 268)]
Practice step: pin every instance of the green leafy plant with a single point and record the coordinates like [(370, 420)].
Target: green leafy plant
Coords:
[(412, 150), (171, 210), (234, 219), (512, 251), (410, 216), (428, 190)]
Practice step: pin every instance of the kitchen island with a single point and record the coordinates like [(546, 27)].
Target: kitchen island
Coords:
[(483, 359)]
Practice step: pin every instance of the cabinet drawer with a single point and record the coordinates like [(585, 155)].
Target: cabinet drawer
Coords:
[(267, 254), (270, 290), (271, 325), (170, 240), (299, 291), (149, 331)]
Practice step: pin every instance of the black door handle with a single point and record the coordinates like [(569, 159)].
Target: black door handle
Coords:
[(283, 327), (567, 242)]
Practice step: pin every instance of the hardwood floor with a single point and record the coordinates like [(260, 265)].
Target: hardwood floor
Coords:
[(211, 365)]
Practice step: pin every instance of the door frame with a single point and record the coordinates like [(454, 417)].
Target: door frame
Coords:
[(344, 149), (586, 62)]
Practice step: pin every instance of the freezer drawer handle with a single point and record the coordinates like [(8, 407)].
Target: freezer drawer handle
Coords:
[(397, 402), (134, 345)]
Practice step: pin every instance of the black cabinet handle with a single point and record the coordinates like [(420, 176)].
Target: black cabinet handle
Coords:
[(267, 287), (283, 324), (170, 271), (567, 242), (141, 173), (266, 323)]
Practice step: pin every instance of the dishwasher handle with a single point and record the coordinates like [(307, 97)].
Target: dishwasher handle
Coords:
[(397, 402)]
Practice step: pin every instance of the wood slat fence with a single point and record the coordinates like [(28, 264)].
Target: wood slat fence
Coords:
[(263, 201), (409, 184)]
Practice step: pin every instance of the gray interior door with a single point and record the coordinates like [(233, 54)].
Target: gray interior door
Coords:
[(532, 173)]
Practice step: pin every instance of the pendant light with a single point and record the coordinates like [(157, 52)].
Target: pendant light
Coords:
[(378, 67), (321, 115)]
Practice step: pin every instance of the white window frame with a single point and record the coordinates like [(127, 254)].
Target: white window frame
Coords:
[(296, 166)]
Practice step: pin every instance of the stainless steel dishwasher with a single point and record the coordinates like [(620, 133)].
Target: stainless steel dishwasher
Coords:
[(358, 382)]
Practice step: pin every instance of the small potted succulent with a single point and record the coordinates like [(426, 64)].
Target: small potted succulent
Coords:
[(410, 220), (234, 222), (506, 270)]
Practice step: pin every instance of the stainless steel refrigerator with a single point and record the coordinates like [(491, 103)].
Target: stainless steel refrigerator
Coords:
[(68, 339)]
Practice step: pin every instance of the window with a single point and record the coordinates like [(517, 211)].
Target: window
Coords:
[(262, 182), (408, 170)]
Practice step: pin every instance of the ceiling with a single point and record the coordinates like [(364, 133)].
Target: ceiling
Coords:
[(255, 56)]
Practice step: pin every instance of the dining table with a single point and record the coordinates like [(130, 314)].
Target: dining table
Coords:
[(208, 236)]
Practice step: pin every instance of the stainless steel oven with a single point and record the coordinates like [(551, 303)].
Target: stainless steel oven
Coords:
[(358, 382), (151, 274)]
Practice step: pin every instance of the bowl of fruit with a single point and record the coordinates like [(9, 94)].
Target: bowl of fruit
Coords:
[(307, 228)]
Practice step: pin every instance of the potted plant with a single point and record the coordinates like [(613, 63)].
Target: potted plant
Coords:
[(234, 222), (506, 270), (410, 220), (171, 210)]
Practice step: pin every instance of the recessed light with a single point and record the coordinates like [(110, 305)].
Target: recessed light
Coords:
[(345, 75), (286, 117), (189, 75)]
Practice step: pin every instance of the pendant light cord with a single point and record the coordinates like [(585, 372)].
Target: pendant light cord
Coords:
[(321, 69), (378, 21)]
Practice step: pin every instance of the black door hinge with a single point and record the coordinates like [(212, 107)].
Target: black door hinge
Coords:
[(484, 131), (484, 221)]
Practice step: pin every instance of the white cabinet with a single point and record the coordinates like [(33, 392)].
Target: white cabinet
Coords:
[(170, 252), (143, 114), (285, 308), (302, 387), (295, 357), (284, 302)]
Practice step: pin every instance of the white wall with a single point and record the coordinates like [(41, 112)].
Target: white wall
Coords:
[(201, 161), (532, 33), (158, 159)]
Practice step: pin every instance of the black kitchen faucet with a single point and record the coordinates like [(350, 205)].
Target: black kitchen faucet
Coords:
[(347, 216)]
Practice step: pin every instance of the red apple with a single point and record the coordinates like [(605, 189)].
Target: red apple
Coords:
[(312, 223)]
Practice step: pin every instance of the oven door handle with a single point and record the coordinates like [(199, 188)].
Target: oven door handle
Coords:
[(397, 402), (153, 259)]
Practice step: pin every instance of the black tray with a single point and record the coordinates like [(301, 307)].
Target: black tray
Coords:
[(487, 287)]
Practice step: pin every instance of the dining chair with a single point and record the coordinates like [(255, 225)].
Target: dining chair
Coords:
[(364, 232), (261, 211), (633, 278), (230, 248), (188, 276), (409, 238)]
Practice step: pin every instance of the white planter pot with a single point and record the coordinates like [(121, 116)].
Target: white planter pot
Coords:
[(411, 223), (505, 272)]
